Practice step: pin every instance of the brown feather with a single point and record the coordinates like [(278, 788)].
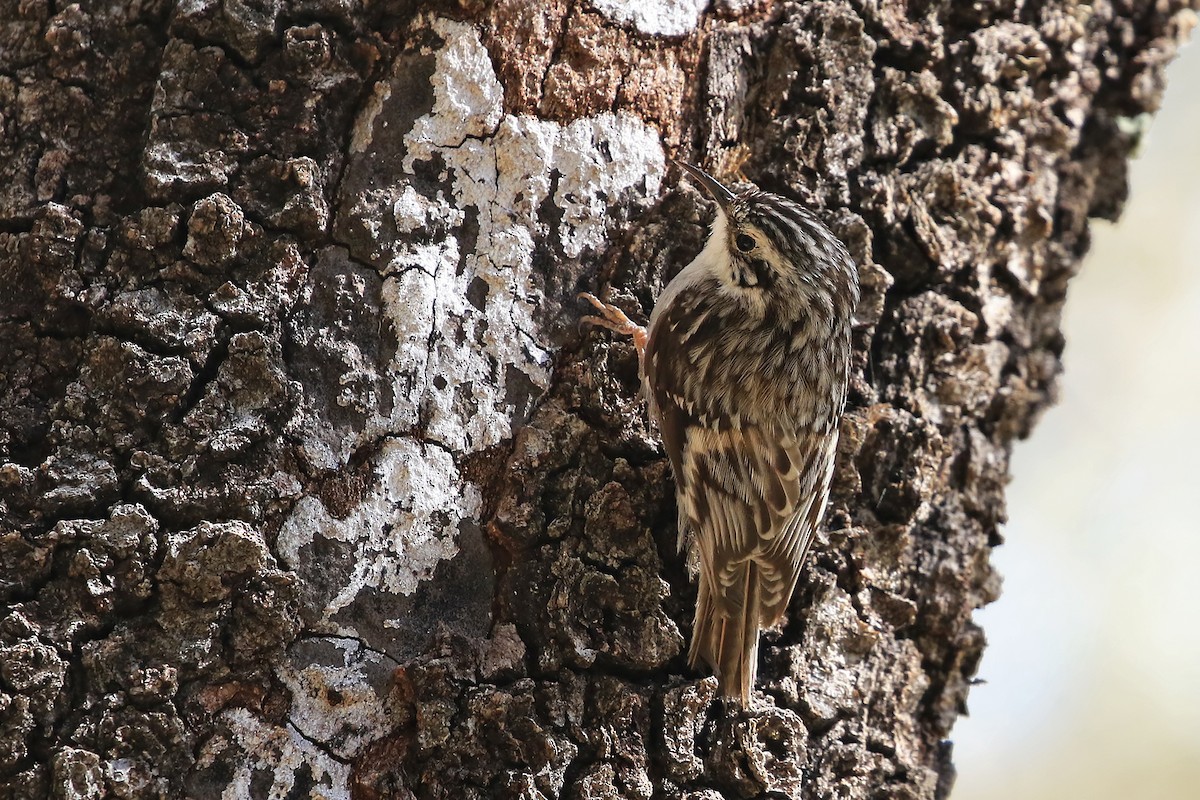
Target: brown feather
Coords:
[(746, 366)]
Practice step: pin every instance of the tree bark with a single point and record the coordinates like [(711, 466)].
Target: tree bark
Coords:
[(311, 486)]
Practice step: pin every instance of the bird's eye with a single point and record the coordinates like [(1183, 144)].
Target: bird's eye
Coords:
[(744, 242)]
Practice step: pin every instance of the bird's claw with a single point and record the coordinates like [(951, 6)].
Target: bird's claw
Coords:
[(614, 319)]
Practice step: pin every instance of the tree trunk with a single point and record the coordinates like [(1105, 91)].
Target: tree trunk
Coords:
[(311, 484)]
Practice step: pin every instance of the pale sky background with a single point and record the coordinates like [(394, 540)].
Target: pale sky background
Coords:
[(1093, 661)]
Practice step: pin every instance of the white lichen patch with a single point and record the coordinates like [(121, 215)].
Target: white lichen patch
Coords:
[(477, 307), (599, 159), (400, 531), (461, 295), (336, 704), (281, 752), (654, 17), (454, 220), (456, 248), (465, 89)]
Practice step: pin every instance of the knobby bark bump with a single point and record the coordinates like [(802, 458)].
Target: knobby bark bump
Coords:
[(310, 483)]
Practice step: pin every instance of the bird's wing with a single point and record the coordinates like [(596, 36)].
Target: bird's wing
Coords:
[(751, 496), (748, 489)]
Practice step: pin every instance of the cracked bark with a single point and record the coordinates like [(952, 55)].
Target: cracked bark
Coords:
[(293, 391)]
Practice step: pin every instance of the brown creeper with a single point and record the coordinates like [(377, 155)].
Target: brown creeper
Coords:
[(745, 365)]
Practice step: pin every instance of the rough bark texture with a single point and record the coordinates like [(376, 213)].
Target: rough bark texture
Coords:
[(310, 485)]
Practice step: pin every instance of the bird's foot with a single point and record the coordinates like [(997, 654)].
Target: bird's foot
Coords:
[(615, 320)]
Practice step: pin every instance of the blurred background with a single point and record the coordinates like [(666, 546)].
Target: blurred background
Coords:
[(1093, 664)]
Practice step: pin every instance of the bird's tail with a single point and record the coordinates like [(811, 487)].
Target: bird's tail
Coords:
[(725, 635)]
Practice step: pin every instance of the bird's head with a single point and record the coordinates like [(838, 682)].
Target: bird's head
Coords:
[(771, 243)]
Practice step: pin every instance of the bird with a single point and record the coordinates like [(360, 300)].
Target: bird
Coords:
[(745, 364)]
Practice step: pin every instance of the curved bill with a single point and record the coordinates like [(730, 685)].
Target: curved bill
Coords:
[(715, 189)]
